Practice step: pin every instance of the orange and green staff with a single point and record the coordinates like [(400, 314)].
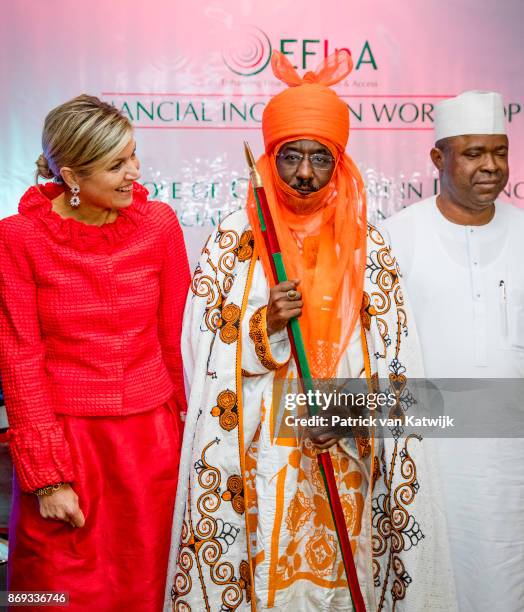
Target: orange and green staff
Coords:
[(304, 372)]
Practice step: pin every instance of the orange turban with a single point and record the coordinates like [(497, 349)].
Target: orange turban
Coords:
[(308, 107), (322, 235)]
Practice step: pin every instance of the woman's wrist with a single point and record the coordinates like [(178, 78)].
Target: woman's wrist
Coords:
[(49, 489)]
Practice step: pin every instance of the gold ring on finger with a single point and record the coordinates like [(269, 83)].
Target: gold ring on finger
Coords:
[(292, 295)]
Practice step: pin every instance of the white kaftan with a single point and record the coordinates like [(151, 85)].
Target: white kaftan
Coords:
[(466, 289), (251, 528)]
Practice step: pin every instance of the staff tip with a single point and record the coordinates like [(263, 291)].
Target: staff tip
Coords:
[(249, 155)]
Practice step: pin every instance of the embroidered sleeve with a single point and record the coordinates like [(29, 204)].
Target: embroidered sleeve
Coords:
[(261, 353), (270, 352)]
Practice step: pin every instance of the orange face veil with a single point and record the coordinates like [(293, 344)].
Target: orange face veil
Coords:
[(322, 235)]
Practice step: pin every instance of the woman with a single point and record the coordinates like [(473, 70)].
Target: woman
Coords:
[(93, 280)]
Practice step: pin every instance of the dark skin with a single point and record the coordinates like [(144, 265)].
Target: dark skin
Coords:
[(473, 171), (304, 178)]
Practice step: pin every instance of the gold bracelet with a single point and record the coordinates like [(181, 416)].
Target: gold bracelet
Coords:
[(49, 490)]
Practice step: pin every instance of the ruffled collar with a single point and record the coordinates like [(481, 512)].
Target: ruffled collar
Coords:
[(36, 203)]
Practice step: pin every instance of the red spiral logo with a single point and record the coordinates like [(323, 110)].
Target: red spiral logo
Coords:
[(249, 53)]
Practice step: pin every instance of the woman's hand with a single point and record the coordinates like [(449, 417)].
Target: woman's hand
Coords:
[(62, 505), (285, 303)]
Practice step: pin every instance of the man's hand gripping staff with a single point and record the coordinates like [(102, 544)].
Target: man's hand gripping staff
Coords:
[(278, 314)]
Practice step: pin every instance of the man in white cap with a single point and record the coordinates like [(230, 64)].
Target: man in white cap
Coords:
[(461, 255)]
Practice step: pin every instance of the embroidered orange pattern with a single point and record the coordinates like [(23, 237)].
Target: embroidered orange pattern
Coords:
[(226, 410), (258, 333), (229, 323)]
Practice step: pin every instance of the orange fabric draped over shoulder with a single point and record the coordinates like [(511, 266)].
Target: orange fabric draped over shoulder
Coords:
[(322, 235)]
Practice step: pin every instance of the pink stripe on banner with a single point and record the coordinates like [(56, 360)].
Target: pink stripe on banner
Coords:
[(244, 128), (264, 95)]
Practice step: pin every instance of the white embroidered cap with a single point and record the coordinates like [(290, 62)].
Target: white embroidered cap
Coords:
[(472, 112)]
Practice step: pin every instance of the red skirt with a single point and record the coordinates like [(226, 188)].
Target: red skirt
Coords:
[(127, 469)]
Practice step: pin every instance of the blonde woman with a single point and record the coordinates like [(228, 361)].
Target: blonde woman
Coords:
[(93, 280)]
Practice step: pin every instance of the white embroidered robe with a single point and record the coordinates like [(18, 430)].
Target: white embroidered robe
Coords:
[(248, 530)]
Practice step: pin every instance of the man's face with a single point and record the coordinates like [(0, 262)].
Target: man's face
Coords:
[(473, 169), (305, 165)]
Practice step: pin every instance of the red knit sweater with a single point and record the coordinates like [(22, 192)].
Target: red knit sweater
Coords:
[(90, 322)]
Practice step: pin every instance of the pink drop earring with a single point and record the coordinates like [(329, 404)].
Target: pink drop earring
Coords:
[(75, 200)]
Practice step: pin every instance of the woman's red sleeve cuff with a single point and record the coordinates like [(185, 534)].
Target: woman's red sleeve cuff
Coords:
[(41, 456)]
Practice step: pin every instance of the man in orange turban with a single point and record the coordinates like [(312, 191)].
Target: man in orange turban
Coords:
[(252, 526)]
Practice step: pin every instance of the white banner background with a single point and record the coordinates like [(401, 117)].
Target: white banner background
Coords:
[(194, 79)]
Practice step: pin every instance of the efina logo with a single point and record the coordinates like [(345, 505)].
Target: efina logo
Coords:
[(250, 53)]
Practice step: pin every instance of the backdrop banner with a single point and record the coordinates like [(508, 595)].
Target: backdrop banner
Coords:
[(194, 79)]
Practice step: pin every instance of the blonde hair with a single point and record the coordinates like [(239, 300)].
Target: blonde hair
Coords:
[(81, 134)]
